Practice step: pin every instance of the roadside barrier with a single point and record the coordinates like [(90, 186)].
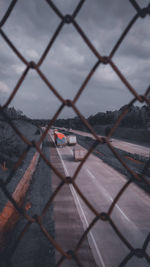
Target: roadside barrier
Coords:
[(103, 215)]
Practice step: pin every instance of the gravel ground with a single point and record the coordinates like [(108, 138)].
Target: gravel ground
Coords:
[(34, 249)]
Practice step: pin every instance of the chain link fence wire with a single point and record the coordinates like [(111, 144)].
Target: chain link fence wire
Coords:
[(103, 215)]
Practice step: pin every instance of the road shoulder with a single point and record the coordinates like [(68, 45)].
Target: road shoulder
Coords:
[(68, 226)]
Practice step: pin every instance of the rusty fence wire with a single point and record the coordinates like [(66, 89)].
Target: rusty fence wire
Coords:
[(103, 215)]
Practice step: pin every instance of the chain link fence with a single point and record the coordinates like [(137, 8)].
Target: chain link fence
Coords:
[(104, 215)]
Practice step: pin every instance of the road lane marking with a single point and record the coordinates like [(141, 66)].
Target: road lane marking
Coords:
[(103, 190), (106, 194), (65, 169), (85, 222), (132, 225), (81, 211)]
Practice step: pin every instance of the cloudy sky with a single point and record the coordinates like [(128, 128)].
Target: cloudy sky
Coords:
[(30, 27)]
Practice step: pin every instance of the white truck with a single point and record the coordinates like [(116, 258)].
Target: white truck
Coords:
[(79, 154), (72, 140)]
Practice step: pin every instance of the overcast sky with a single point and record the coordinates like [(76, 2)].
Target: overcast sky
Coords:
[(31, 25)]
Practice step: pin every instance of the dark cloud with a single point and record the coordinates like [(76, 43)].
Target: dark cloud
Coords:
[(31, 26)]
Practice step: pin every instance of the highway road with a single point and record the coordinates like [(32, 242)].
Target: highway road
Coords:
[(100, 183), (126, 146)]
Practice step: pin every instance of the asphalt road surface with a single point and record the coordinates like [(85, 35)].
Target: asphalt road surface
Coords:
[(123, 145), (100, 184)]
